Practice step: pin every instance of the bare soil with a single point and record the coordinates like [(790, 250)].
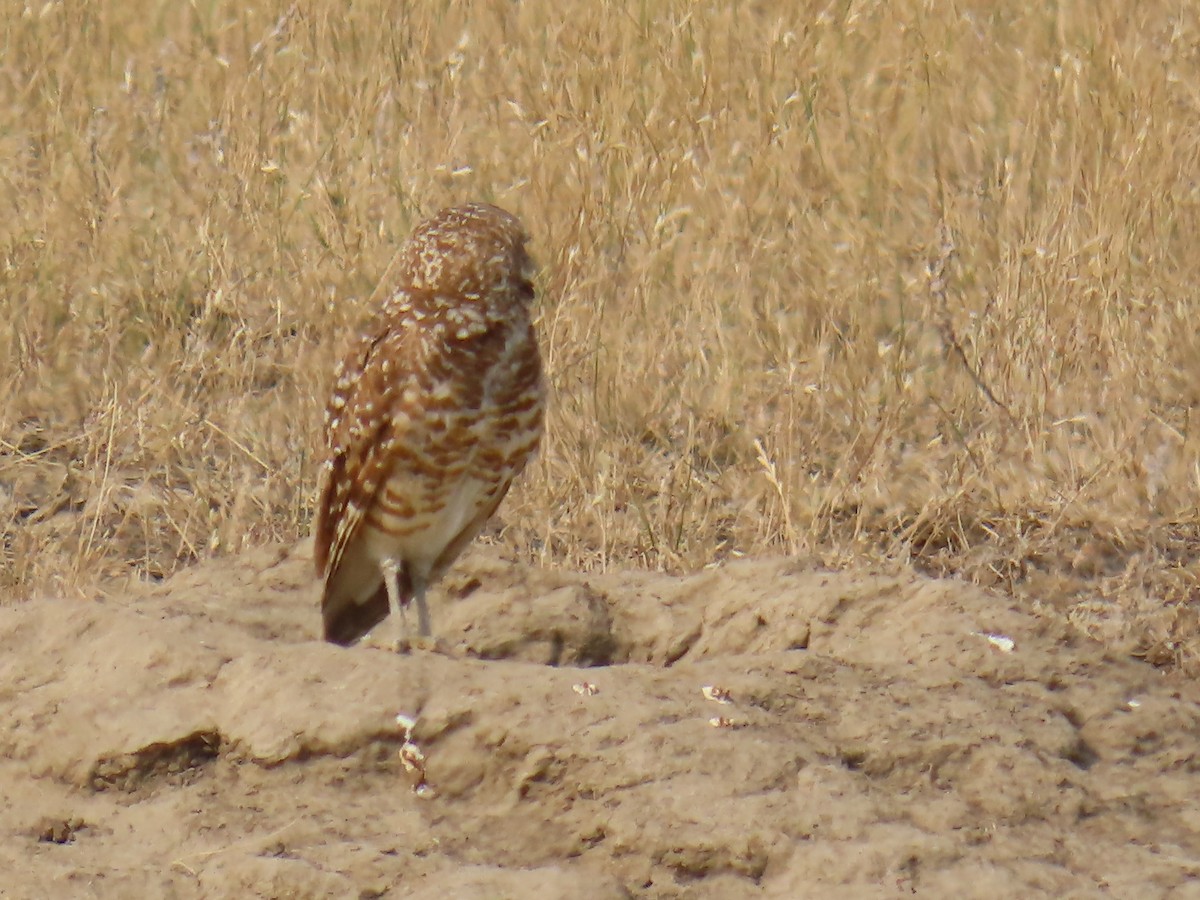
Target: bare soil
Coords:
[(759, 730)]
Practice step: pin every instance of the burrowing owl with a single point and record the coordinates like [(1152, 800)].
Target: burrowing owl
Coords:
[(435, 410)]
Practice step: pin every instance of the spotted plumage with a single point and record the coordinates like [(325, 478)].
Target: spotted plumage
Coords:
[(435, 410)]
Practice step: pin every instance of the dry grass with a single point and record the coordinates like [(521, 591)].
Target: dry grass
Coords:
[(761, 336)]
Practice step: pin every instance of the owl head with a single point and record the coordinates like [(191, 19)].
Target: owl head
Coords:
[(474, 252)]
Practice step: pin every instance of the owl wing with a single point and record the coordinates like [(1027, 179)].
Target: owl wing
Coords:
[(357, 423)]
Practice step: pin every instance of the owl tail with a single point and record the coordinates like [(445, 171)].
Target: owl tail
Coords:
[(347, 620)]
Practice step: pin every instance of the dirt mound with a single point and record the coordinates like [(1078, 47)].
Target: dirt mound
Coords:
[(756, 730)]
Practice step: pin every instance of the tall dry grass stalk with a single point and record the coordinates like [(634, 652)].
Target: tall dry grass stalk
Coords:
[(864, 281)]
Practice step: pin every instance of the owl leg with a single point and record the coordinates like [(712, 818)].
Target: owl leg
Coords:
[(391, 580), (424, 626)]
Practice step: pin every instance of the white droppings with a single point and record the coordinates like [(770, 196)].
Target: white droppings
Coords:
[(1001, 642)]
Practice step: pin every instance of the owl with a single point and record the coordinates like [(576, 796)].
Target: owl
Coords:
[(435, 410)]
